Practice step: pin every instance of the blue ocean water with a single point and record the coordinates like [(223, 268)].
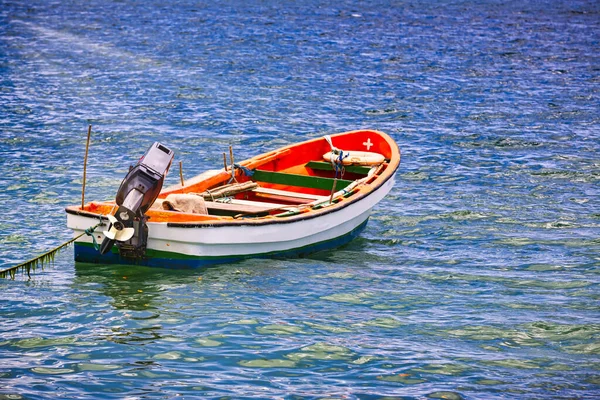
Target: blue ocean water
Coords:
[(476, 278)]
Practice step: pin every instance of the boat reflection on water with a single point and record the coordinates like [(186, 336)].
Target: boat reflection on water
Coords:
[(146, 304), (136, 299), (134, 304), (130, 288)]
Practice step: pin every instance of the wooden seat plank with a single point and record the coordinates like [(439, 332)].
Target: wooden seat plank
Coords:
[(325, 166), (287, 193), (236, 206), (313, 182)]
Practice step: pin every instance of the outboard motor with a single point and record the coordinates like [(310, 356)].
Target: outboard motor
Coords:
[(135, 196)]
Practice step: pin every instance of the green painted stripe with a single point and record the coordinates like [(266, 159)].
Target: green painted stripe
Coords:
[(325, 166), (313, 182)]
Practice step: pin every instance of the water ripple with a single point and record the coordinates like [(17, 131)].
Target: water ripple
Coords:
[(477, 277)]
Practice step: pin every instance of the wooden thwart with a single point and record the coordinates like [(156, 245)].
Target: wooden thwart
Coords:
[(325, 166), (286, 195), (313, 182), (241, 207)]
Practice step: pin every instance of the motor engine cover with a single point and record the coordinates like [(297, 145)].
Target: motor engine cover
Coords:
[(137, 192)]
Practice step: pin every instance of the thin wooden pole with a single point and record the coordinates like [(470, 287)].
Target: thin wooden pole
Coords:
[(87, 147), (232, 164), (333, 189), (181, 173), (224, 161)]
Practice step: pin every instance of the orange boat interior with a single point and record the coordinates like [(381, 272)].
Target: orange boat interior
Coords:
[(283, 183)]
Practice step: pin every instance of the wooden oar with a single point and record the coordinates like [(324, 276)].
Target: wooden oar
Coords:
[(47, 257)]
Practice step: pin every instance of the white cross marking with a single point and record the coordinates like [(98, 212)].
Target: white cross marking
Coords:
[(368, 144)]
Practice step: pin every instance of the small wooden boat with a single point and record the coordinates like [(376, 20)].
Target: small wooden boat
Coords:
[(292, 201)]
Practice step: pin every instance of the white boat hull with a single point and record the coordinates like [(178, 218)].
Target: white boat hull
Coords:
[(189, 245)]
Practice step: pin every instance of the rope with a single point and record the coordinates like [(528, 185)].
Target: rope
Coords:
[(90, 232), (212, 198), (245, 171), (48, 256), (337, 162)]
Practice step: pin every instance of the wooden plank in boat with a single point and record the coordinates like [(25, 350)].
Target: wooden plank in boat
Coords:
[(240, 207), (313, 182), (258, 204), (325, 166), (286, 195)]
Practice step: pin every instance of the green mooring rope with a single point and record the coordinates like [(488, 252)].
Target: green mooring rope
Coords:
[(47, 257), (90, 232)]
